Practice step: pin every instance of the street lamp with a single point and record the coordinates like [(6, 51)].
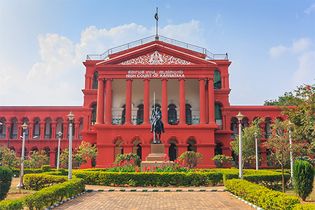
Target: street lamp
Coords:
[(291, 153), (71, 118), (256, 150), (20, 185), (240, 166), (59, 134)]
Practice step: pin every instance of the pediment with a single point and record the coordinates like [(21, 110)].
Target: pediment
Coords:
[(156, 58)]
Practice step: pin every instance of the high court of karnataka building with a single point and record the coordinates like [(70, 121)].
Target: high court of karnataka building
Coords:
[(189, 84)]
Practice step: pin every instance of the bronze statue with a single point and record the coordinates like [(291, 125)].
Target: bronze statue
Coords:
[(157, 126)]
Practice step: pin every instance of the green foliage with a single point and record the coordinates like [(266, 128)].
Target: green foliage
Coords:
[(16, 171), (128, 159), (220, 160), (46, 168), (288, 99), (303, 176), (123, 168), (85, 152), (40, 181), (11, 204), (248, 143), (36, 159), (261, 196), (5, 181), (190, 159), (8, 158), (304, 207), (56, 193), (149, 178)]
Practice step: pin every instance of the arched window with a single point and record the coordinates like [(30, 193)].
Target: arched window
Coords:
[(191, 145), (59, 127), (36, 129), (2, 128), (218, 115), (123, 115), (14, 129), (188, 114), (172, 151), (48, 128), (25, 120), (140, 114), (234, 126), (245, 122), (95, 80), (172, 114), (218, 149), (267, 127), (119, 149), (217, 79), (93, 114)]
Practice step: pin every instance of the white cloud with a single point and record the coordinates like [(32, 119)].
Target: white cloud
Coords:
[(310, 9), (298, 46), (305, 72), (58, 76)]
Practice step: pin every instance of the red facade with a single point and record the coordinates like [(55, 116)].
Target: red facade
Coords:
[(190, 85)]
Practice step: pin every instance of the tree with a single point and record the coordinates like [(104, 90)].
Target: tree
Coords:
[(8, 158), (303, 175), (288, 99), (85, 152), (280, 146), (36, 159), (190, 159), (248, 142)]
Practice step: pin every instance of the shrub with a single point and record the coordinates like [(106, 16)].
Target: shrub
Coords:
[(56, 193), (303, 176), (220, 160), (45, 168), (128, 159), (16, 171), (5, 181), (11, 204), (304, 207), (40, 181), (149, 178), (190, 158), (260, 195)]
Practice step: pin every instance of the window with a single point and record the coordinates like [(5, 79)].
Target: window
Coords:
[(14, 129), (140, 114), (267, 127), (95, 80), (25, 120), (188, 114), (234, 126), (245, 122), (217, 80), (2, 128), (59, 127), (172, 114), (93, 114), (48, 128), (123, 115), (218, 115), (36, 131)]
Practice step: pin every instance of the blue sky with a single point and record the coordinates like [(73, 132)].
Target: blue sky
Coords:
[(271, 43)]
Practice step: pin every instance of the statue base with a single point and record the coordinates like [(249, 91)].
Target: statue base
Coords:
[(156, 159)]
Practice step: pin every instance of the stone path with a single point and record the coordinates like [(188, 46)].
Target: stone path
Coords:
[(155, 200)]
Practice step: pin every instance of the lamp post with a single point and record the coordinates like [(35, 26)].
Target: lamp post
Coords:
[(291, 153), (71, 118), (256, 150), (240, 165), (59, 134), (20, 185)]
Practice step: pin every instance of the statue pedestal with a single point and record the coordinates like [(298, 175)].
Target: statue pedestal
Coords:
[(156, 159)]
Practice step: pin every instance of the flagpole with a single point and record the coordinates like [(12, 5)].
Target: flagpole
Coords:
[(157, 24)]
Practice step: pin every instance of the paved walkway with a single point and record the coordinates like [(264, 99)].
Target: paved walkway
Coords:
[(155, 200)]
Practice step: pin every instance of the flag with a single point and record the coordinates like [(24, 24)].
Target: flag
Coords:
[(156, 16)]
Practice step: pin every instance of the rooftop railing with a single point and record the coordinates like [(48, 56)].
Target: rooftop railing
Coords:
[(209, 55)]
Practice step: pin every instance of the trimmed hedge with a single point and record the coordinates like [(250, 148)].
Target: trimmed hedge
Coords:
[(40, 181), (261, 196), (53, 194), (304, 207), (149, 178), (11, 204), (5, 181)]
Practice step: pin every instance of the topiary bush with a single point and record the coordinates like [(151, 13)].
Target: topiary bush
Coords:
[(303, 176), (5, 181), (261, 196)]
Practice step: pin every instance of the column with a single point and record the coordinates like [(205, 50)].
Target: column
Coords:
[(53, 130), (76, 130), (52, 158), (42, 130), (128, 101), (164, 102), (182, 102), (65, 130), (20, 130), (211, 100), (108, 105), (7, 131), (100, 102), (202, 101), (146, 101), (30, 130)]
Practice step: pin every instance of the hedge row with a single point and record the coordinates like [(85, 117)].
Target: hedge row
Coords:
[(260, 195), (11, 204), (56, 193), (44, 168), (40, 181), (304, 207), (5, 181), (149, 178)]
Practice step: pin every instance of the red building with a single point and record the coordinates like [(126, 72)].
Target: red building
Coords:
[(190, 84)]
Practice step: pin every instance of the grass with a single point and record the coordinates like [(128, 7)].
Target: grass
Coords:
[(15, 193)]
